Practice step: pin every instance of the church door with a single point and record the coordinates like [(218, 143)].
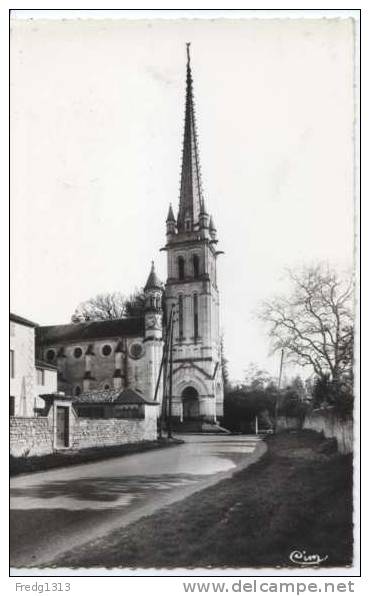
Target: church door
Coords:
[(190, 404)]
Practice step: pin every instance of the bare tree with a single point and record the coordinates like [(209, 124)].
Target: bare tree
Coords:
[(257, 378), (113, 305), (314, 324)]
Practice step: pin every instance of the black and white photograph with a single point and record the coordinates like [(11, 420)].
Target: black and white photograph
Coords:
[(184, 313)]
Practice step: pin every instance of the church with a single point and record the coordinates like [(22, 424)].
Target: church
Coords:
[(96, 359)]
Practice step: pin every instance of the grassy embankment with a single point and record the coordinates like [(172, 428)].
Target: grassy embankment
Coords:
[(297, 496)]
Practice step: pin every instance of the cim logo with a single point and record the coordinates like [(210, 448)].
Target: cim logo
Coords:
[(300, 557)]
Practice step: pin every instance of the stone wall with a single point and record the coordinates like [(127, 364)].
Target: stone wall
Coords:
[(35, 436), (31, 436), (90, 432), (326, 421)]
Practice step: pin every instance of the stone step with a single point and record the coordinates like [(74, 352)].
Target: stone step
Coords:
[(198, 426)]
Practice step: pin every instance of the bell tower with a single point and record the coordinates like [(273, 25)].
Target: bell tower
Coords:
[(153, 341), (192, 287)]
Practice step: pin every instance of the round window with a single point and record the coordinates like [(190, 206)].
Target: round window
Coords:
[(77, 353), (136, 350), (50, 355), (106, 350)]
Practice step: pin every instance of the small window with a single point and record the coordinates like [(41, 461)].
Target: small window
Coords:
[(12, 364), (50, 355), (136, 350), (77, 353), (181, 265), (77, 390), (107, 350), (11, 405), (40, 376), (107, 387)]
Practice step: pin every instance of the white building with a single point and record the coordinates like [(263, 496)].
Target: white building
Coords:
[(29, 378)]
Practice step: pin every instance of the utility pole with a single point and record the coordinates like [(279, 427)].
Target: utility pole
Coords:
[(281, 367), (169, 422), (164, 368), (157, 388), (278, 392)]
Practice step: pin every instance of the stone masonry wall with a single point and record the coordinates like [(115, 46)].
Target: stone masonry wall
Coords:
[(30, 436), (90, 432), (35, 436)]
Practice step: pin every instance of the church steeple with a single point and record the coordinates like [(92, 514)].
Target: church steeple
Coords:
[(191, 287), (191, 196)]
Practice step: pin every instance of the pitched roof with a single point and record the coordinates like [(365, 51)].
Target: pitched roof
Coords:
[(132, 326), (112, 396), (21, 320), (45, 365)]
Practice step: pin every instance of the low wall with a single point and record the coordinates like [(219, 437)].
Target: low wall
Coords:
[(102, 432), (30, 436), (35, 436), (326, 421)]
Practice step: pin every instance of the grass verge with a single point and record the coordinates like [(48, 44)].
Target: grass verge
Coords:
[(298, 496)]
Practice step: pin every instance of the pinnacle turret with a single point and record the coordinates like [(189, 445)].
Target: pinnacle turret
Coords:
[(153, 281), (212, 228), (170, 216)]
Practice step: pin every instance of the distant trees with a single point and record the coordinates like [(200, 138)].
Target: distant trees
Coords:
[(256, 377), (314, 323), (265, 401), (291, 402), (109, 305), (255, 397)]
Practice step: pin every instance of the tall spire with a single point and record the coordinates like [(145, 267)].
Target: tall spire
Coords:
[(191, 197)]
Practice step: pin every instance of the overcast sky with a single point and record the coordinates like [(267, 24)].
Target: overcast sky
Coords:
[(97, 121)]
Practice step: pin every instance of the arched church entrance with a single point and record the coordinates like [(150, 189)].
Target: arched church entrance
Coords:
[(190, 403)]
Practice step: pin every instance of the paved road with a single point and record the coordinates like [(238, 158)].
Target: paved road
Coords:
[(56, 510)]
